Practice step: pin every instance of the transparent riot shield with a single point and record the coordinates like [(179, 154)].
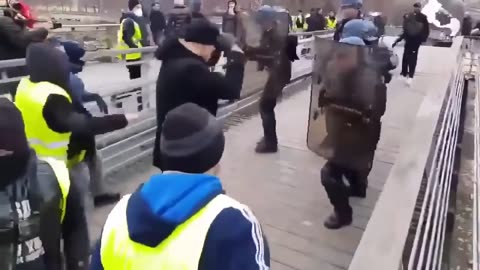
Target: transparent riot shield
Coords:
[(347, 101)]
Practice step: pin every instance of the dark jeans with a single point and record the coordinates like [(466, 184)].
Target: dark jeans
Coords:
[(269, 123), (135, 72), (338, 193), (409, 61)]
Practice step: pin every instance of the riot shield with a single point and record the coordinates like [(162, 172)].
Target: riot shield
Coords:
[(347, 101)]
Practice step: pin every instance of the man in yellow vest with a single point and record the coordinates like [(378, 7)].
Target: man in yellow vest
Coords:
[(46, 104), (133, 34), (45, 204), (182, 219), (331, 21)]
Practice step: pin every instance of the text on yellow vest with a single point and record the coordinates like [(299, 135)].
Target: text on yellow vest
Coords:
[(30, 99), (137, 38), (181, 250)]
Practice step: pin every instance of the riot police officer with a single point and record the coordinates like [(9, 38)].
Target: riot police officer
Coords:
[(353, 95), (276, 53)]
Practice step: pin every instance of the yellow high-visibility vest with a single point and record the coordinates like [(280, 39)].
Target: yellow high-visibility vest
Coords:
[(137, 38), (331, 24), (63, 178), (30, 100), (304, 23), (181, 250)]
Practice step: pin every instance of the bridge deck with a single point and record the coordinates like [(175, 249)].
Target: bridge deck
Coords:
[(284, 189)]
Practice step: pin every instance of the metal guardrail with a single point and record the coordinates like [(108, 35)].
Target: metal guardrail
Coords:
[(383, 243), (476, 177), (125, 146)]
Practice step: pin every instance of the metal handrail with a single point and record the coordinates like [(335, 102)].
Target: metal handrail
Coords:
[(476, 179), (383, 243)]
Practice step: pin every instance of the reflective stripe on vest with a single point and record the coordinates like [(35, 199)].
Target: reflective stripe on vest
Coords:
[(181, 250), (63, 178), (30, 100), (137, 37)]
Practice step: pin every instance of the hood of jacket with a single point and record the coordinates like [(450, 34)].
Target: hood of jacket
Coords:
[(166, 201), (172, 49), (48, 64)]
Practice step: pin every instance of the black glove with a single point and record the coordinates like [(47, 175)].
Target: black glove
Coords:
[(102, 106)]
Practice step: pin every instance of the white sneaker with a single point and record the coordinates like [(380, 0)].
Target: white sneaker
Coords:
[(409, 81)]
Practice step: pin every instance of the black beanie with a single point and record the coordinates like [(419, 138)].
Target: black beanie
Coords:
[(12, 129), (132, 4), (202, 31), (192, 140)]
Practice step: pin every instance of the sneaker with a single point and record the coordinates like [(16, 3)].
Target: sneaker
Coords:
[(409, 82), (336, 221)]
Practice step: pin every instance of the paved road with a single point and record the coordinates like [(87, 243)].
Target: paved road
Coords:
[(284, 189)]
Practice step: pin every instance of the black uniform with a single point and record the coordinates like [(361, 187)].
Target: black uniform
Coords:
[(276, 53), (353, 133), (415, 31)]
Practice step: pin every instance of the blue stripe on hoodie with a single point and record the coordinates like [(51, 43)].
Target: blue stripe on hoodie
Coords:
[(234, 241)]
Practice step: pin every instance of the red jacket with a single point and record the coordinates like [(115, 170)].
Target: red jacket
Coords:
[(25, 12)]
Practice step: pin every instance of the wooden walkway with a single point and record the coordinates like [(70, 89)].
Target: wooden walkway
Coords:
[(284, 189)]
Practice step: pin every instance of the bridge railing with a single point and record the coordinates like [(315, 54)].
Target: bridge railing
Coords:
[(407, 227), (123, 147)]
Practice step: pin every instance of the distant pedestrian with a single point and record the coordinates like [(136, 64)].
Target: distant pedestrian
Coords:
[(416, 30), (157, 23)]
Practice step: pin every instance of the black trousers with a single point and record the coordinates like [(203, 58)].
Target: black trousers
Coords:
[(135, 72), (409, 60), (332, 176), (269, 123)]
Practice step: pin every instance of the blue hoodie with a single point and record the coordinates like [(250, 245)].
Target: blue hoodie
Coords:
[(234, 240)]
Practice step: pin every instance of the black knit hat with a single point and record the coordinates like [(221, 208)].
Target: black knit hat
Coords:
[(12, 130), (202, 31), (133, 3), (192, 140)]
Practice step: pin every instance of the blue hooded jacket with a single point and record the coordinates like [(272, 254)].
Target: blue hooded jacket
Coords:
[(234, 240)]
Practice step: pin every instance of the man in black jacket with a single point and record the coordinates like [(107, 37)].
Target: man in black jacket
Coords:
[(14, 39), (157, 23), (36, 190), (177, 19), (185, 76), (416, 30)]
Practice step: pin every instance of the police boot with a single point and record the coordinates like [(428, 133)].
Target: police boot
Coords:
[(337, 193), (339, 219), (265, 146)]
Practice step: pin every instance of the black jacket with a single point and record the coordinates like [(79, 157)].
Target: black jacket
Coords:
[(276, 52), (422, 36), (177, 19), (157, 24), (36, 195), (316, 22), (185, 77)]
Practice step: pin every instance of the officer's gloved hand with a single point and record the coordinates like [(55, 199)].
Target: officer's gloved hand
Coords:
[(102, 106)]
